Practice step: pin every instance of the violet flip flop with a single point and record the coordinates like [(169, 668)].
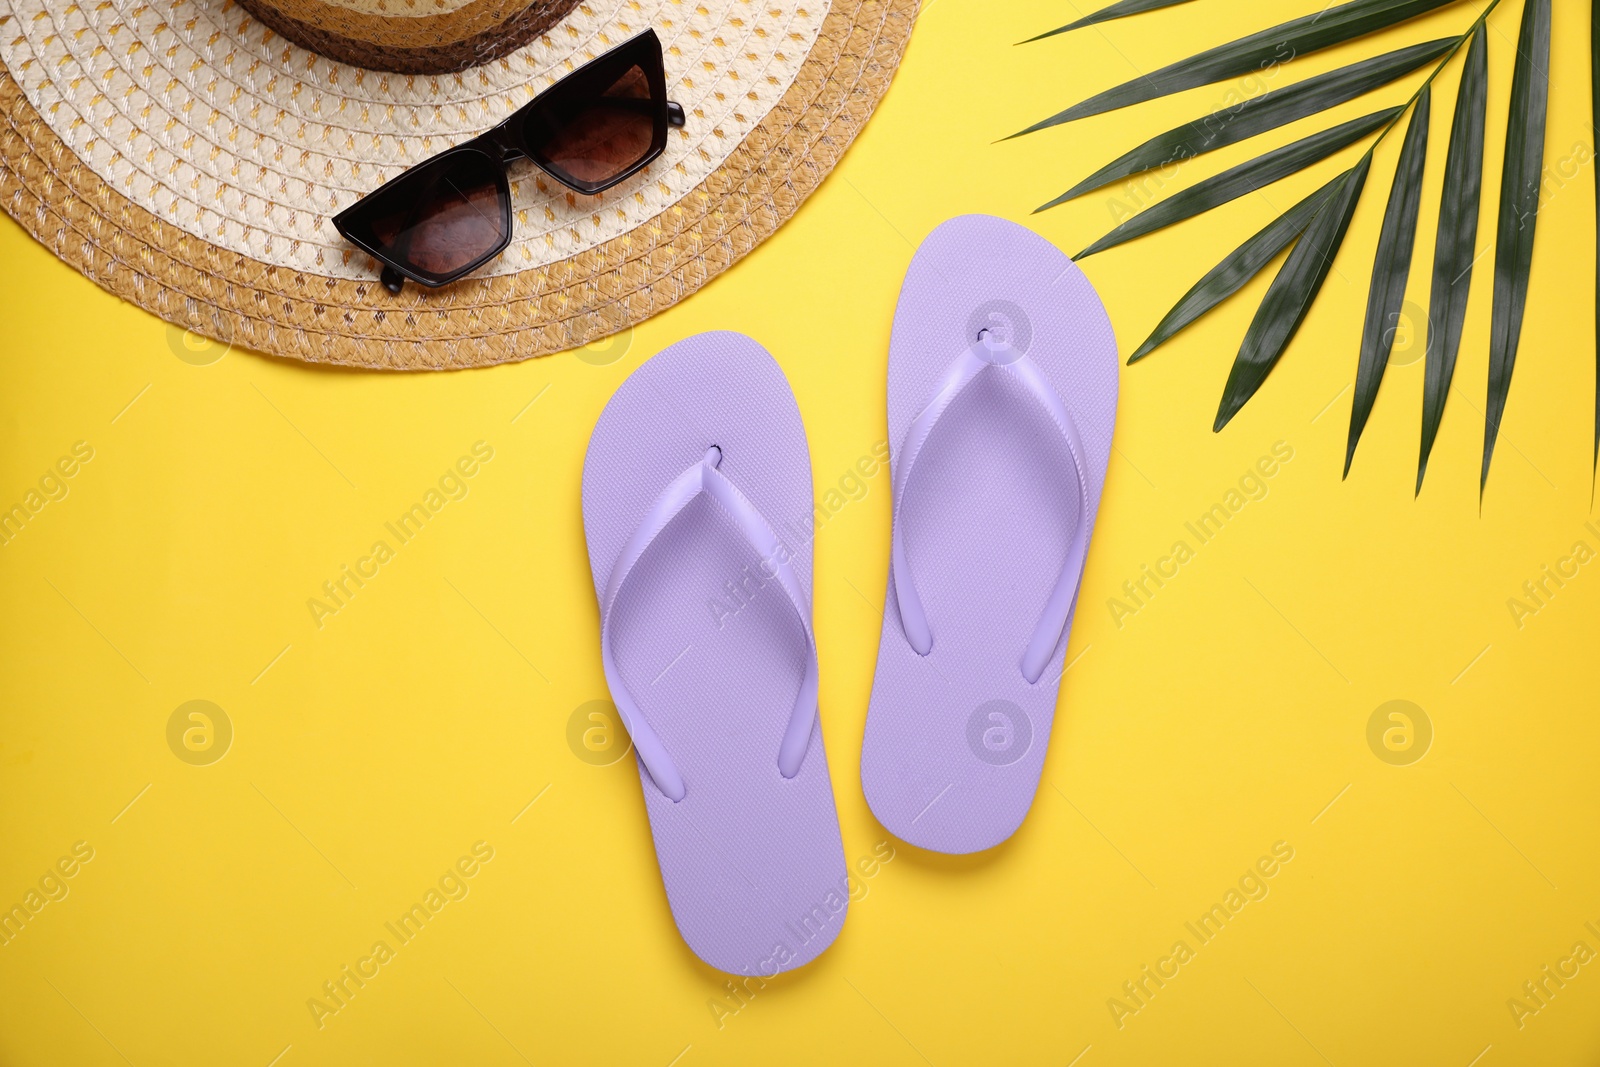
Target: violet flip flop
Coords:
[(1002, 395), (696, 508)]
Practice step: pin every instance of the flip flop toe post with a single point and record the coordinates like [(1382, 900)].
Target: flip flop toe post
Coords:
[(1002, 395), (696, 502)]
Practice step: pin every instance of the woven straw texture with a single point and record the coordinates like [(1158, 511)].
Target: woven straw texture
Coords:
[(411, 41), (210, 246), (406, 23)]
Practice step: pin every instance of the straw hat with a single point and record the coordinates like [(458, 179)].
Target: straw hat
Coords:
[(188, 155)]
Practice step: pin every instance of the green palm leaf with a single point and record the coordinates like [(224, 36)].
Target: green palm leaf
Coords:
[(1519, 212), (1106, 14), (1390, 271), (1456, 247), (1314, 230), (1245, 178), (1291, 294), (1241, 265), (1281, 43), (1267, 112)]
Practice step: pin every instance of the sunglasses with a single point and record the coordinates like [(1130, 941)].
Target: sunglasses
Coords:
[(450, 214)]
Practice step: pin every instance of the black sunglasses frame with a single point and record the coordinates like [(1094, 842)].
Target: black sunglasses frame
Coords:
[(506, 143)]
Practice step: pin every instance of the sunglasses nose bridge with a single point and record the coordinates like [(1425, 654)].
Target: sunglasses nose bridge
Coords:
[(506, 141)]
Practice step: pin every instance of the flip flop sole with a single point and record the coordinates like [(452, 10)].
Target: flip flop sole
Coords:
[(714, 655), (955, 740)]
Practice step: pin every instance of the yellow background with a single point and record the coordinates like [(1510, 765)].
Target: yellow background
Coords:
[(1228, 714)]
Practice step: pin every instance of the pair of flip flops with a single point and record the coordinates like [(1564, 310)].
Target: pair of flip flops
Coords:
[(698, 509)]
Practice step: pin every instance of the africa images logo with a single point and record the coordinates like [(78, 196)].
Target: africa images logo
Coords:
[(595, 734), (199, 733), (999, 733), (1399, 733)]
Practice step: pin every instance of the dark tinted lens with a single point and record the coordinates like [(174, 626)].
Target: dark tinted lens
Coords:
[(445, 216), (597, 134)]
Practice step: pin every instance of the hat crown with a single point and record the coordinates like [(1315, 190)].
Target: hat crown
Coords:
[(410, 36)]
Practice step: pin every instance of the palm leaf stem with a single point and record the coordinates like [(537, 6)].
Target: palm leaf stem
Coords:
[(1464, 39)]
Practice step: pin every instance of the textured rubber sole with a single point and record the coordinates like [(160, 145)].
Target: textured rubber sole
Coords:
[(714, 655), (955, 740)]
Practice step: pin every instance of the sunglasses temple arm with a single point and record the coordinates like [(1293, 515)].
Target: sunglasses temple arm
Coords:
[(675, 115)]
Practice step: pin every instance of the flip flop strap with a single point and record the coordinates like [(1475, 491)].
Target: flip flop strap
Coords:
[(704, 477), (991, 354)]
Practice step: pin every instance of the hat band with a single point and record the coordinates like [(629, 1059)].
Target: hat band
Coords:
[(477, 33)]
